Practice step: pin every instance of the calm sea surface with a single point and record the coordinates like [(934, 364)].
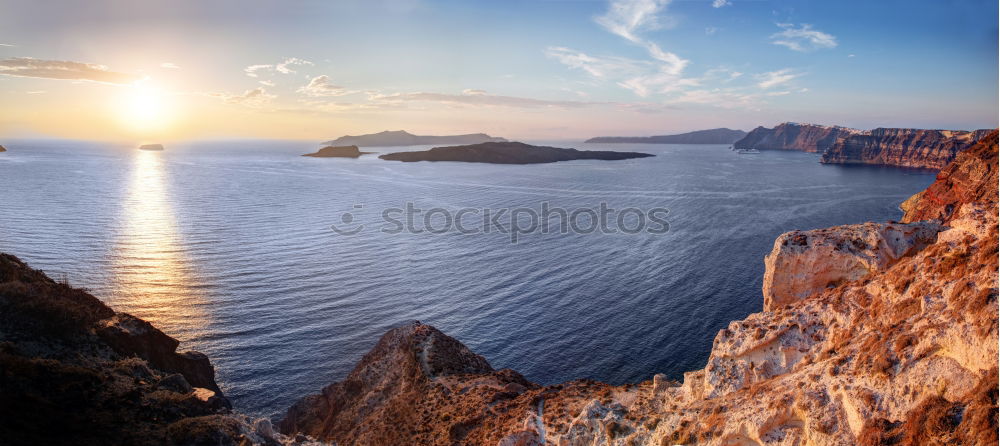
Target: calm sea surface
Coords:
[(227, 246)]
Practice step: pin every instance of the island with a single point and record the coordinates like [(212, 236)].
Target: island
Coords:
[(337, 152), (152, 147), (404, 138), (509, 153), (711, 136), (3, 149)]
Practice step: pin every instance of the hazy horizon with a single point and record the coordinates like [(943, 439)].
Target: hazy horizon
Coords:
[(312, 71)]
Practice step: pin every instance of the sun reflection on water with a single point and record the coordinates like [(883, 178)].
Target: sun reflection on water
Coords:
[(153, 278)]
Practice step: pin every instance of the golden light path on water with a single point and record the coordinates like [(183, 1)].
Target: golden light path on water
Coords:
[(152, 276)]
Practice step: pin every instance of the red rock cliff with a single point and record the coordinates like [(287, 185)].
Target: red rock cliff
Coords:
[(929, 149)]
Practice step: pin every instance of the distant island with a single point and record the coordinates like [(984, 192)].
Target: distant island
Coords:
[(404, 138), (337, 152), (508, 153), (155, 147), (712, 136)]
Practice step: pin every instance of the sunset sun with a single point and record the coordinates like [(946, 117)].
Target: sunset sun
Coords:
[(144, 107)]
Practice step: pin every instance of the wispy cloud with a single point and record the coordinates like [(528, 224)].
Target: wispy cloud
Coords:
[(804, 38), (476, 97), (65, 70), (284, 67), (720, 3), (169, 66), (321, 86), (773, 79), (256, 97), (628, 19), (6, 44)]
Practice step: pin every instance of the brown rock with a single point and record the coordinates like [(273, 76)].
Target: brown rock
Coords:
[(927, 149), (793, 136)]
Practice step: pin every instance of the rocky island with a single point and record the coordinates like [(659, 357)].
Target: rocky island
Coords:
[(404, 138), (713, 136), (337, 152), (151, 147), (509, 153)]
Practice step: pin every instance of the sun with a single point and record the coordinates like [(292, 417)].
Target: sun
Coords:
[(144, 107)]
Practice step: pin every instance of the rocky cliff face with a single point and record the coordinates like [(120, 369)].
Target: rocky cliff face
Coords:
[(971, 178), (894, 343), (793, 136), (73, 371), (929, 149)]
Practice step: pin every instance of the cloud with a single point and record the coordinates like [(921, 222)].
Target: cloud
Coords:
[(627, 17), (596, 66), (169, 66), (721, 3), (476, 97), (282, 67), (804, 38), (321, 86), (773, 79), (6, 44), (256, 97), (61, 69), (266, 83), (711, 30)]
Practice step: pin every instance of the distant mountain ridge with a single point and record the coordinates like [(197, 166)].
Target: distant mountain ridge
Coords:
[(404, 138), (794, 136), (711, 136), (509, 152)]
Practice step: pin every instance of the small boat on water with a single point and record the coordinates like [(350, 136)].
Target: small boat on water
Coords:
[(747, 151)]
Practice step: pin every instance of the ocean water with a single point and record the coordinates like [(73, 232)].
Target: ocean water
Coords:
[(227, 246)]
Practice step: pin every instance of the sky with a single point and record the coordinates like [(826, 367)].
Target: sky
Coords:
[(543, 69)]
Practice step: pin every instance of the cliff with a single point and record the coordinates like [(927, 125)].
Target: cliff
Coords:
[(73, 371), (403, 138), (713, 136), (509, 153), (929, 149), (793, 136), (3, 149), (337, 152), (895, 343)]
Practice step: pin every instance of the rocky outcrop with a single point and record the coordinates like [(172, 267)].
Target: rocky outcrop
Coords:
[(794, 136), (73, 371), (337, 152), (151, 147), (895, 343), (713, 136), (803, 263), (404, 138), (3, 149), (417, 386), (972, 178), (509, 153), (927, 149)]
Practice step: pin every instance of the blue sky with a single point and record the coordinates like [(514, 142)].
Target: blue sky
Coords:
[(554, 69)]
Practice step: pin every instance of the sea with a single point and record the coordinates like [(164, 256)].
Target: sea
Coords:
[(285, 269)]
